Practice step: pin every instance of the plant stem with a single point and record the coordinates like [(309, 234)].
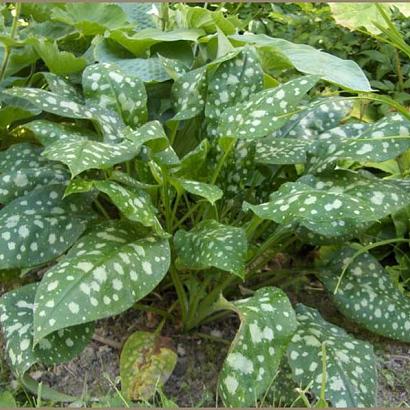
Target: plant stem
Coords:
[(222, 160), (181, 294), (7, 50), (101, 209), (187, 215)]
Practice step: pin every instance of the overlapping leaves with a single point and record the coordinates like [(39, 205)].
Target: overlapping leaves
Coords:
[(367, 294)]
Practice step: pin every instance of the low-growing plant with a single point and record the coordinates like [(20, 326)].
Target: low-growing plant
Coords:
[(143, 159)]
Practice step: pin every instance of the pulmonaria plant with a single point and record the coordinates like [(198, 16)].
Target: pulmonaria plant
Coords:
[(175, 159)]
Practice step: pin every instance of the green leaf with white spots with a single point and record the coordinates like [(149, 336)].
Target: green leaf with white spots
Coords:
[(211, 244), (232, 82), (281, 151), (40, 226), (308, 60), (188, 93), (316, 118), (381, 196), (147, 360), (152, 134), (265, 111), (104, 274), (61, 86), (109, 87), (48, 132), (327, 213), (351, 378), (366, 294), (135, 204), (267, 325), (19, 183), (54, 103), (210, 192), (19, 156), (81, 155), (16, 318)]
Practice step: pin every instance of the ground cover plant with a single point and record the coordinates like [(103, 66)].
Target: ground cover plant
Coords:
[(149, 149)]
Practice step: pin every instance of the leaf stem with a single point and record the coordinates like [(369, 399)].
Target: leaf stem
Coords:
[(7, 50)]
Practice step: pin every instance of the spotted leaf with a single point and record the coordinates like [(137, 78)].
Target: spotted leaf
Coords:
[(322, 212), (351, 379), (107, 121), (81, 155), (147, 360), (265, 111), (267, 325), (40, 226), (16, 317), (223, 91), (19, 183), (104, 274), (19, 156), (109, 87), (367, 294), (281, 151), (63, 87), (211, 244), (134, 203), (382, 196), (47, 132), (210, 192), (188, 93)]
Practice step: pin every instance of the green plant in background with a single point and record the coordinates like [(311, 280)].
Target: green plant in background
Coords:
[(156, 148), (323, 26)]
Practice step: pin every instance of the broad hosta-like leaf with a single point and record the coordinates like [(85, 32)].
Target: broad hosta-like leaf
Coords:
[(233, 81), (134, 203), (107, 86), (267, 325), (325, 212), (189, 94), (80, 155), (308, 60), (91, 19), (40, 226), (48, 132), (266, 111), (367, 295), (16, 317), (141, 42), (54, 103), (210, 192), (351, 378), (147, 360), (141, 13), (104, 274), (58, 62), (354, 16), (211, 244)]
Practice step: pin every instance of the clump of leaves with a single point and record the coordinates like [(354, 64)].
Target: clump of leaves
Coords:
[(174, 158)]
